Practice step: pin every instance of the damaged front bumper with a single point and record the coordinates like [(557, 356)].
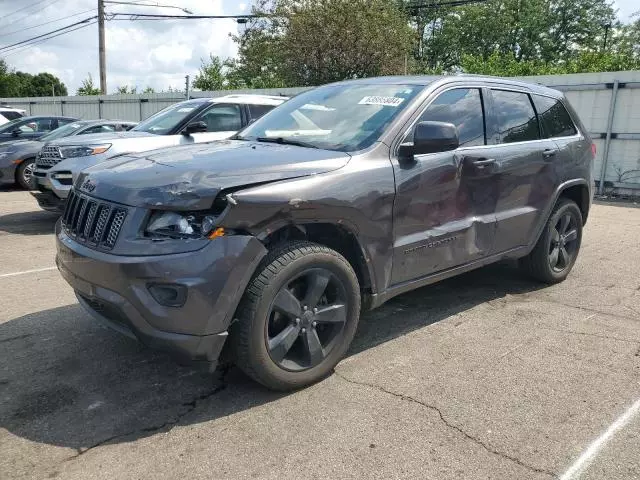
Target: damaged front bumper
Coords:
[(135, 294)]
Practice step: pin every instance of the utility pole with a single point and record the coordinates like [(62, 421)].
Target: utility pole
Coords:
[(187, 87), (101, 48)]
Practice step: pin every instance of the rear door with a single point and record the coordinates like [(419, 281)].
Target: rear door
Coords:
[(527, 163), (557, 124), (223, 120)]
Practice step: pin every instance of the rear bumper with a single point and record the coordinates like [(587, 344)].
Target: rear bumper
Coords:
[(116, 291)]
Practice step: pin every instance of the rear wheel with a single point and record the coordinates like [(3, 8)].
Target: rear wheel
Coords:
[(24, 174), (298, 316), (557, 249)]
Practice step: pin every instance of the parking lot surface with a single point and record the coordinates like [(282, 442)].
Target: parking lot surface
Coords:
[(485, 376)]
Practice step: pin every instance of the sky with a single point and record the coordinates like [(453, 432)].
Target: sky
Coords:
[(139, 53)]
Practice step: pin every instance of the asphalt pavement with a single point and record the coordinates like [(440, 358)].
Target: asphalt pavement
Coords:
[(485, 376)]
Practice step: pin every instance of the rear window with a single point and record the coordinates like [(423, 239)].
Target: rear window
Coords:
[(517, 121), (9, 115), (555, 120), (257, 111)]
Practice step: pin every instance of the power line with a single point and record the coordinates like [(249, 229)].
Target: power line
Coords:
[(27, 47), (45, 23), (29, 6), (46, 34), (143, 16)]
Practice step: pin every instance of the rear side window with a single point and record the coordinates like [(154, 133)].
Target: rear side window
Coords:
[(555, 120), (463, 108), (9, 115), (257, 111), (515, 116)]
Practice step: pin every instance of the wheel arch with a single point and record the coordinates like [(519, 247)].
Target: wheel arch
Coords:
[(336, 236), (577, 190)]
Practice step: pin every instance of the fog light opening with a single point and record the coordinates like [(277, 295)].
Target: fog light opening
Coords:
[(168, 295)]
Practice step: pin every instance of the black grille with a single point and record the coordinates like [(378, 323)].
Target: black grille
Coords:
[(93, 222), (48, 157)]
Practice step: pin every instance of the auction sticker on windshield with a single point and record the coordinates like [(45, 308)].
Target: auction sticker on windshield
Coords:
[(384, 101)]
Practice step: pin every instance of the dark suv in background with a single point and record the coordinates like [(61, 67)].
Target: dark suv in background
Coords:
[(345, 196)]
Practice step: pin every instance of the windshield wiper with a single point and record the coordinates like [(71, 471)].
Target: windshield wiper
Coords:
[(285, 141)]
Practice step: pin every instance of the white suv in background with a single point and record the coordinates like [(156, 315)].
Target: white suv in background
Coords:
[(7, 114), (193, 121)]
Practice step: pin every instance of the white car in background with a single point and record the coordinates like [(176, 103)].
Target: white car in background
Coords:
[(7, 114), (193, 121)]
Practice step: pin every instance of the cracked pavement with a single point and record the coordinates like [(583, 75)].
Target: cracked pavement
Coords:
[(486, 376)]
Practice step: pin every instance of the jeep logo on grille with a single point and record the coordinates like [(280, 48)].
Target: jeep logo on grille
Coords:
[(88, 186)]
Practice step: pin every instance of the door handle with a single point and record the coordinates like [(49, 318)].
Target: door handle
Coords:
[(549, 153), (483, 162)]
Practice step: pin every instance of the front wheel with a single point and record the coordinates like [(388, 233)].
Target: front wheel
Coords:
[(24, 174), (297, 317), (557, 249)]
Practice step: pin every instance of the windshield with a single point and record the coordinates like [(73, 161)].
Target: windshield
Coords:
[(166, 120), (65, 131), (336, 117)]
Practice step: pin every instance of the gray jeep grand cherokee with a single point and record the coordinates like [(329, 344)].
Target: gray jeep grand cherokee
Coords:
[(271, 243)]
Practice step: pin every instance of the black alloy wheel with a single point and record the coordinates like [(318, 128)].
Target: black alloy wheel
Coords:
[(297, 317), (307, 316), (563, 243)]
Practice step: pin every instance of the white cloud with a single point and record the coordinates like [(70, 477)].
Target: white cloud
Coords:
[(139, 53)]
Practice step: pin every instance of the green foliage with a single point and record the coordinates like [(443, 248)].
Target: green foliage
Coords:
[(149, 90), (20, 84), (311, 42), (88, 87), (124, 89), (213, 75)]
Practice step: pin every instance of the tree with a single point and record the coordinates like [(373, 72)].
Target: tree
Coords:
[(125, 89), (21, 84), (45, 84), (148, 90), (550, 31), (311, 42), (212, 75), (88, 87)]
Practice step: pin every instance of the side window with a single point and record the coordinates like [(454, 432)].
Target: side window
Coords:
[(463, 108), (222, 118), (555, 120), (64, 121), (99, 129), (257, 111), (9, 115), (517, 121)]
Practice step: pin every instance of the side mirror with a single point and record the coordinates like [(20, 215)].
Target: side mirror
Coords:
[(194, 127), (431, 137)]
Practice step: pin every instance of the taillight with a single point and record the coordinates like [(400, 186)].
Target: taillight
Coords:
[(594, 149)]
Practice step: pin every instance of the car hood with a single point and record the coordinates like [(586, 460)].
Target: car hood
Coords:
[(91, 138), (190, 177)]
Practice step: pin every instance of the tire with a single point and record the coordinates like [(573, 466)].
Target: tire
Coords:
[(557, 249), (275, 339), (24, 174)]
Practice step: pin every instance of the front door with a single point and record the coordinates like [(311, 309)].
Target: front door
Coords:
[(223, 121), (444, 212)]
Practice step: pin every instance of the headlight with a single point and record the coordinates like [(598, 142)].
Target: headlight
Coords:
[(83, 150), (183, 225)]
